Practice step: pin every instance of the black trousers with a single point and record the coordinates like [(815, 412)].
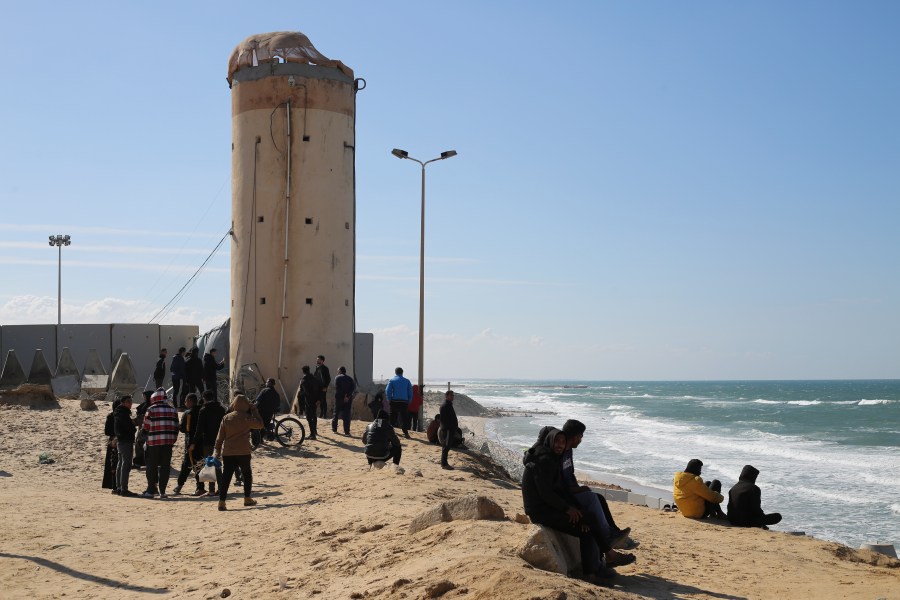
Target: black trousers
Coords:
[(179, 391), (211, 385), (341, 412), (159, 466), (587, 544), (398, 415), (396, 452), (229, 465), (311, 420), (187, 465), (323, 405)]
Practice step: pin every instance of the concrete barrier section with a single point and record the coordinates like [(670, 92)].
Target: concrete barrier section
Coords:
[(13, 374)]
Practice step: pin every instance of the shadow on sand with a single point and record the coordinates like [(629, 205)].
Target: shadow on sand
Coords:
[(86, 576), (649, 586)]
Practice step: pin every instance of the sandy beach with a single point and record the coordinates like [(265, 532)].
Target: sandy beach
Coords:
[(328, 527)]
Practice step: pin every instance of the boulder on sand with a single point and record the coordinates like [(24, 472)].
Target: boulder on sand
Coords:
[(471, 507)]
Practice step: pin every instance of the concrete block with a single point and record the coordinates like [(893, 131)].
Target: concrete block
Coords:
[(639, 499), (13, 375), (617, 495), (122, 381), (81, 339), (141, 342), (24, 339), (94, 383), (40, 371), (93, 365), (66, 365), (66, 385), (653, 502)]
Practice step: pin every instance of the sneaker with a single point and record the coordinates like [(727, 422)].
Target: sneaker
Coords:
[(163, 495), (177, 490), (115, 492), (620, 560), (150, 495), (127, 494), (222, 505), (406, 435), (249, 502), (606, 573), (211, 493), (447, 467), (199, 492)]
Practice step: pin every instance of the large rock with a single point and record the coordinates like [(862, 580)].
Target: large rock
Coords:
[(550, 550), (471, 507)]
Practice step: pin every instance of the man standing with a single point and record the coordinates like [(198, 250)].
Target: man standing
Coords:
[(179, 390), (193, 371), (343, 399), (399, 393), (161, 426), (159, 373), (189, 428), (309, 394), (124, 428), (210, 368), (268, 403), (324, 376), (449, 427), (209, 419), (745, 502)]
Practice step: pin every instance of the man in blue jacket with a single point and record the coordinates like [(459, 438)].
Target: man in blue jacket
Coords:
[(399, 393)]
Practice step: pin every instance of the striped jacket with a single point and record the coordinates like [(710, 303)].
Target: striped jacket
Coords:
[(161, 421)]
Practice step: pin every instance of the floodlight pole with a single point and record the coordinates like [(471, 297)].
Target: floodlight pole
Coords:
[(59, 241), (444, 155)]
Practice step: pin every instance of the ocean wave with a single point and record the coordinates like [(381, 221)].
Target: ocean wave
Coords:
[(895, 508), (865, 402), (619, 407), (764, 401), (834, 496), (805, 402)]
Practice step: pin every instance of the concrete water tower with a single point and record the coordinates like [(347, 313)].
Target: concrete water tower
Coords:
[(293, 207)]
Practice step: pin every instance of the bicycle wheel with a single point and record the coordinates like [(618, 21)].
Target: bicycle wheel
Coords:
[(290, 432)]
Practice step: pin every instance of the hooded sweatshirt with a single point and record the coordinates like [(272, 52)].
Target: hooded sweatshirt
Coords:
[(234, 433), (744, 499), (542, 488), (161, 421), (691, 493), (380, 438)]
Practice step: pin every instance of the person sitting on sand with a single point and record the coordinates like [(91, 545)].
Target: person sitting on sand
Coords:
[(716, 486), (547, 503), (381, 440), (594, 505), (745, 502), (693, 499), (233, 446)]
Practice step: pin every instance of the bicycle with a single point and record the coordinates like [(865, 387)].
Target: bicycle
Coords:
[(287, 430)]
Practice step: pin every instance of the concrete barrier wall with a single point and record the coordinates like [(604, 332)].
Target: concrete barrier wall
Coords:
[(79, 339), (363, 356), (25, 339), (141, 342)]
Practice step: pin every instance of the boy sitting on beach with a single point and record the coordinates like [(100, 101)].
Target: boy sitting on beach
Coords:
[(694, 499)]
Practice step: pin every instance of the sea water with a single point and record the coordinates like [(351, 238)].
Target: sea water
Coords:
[(828, 452)]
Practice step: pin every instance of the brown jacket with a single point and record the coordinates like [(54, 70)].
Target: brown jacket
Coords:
[(234, 433)]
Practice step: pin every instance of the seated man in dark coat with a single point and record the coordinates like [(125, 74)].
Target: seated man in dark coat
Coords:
[(745, 502), (381, 440)]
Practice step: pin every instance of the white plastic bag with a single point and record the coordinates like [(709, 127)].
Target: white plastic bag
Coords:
[(208, 474)]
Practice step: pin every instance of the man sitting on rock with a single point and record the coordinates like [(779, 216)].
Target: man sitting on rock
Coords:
[(594, 505), (548, 503), (381, 440)]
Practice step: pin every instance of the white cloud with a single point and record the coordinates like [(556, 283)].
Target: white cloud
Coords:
[(27, 309)]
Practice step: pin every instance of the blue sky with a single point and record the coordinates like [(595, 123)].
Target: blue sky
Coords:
[(644, 190)]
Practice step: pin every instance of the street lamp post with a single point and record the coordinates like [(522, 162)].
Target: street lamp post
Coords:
[(444, 155), (59, 241)]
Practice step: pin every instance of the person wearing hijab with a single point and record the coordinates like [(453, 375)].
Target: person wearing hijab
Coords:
[(745, 502), (547, 502), (692, 497), (233, 446)]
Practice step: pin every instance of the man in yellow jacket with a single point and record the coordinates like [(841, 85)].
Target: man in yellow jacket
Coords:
[(694, 499)]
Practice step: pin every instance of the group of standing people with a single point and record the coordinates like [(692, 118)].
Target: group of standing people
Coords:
[(312, 397), (209, 430), (698, 499), (190, 373)]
